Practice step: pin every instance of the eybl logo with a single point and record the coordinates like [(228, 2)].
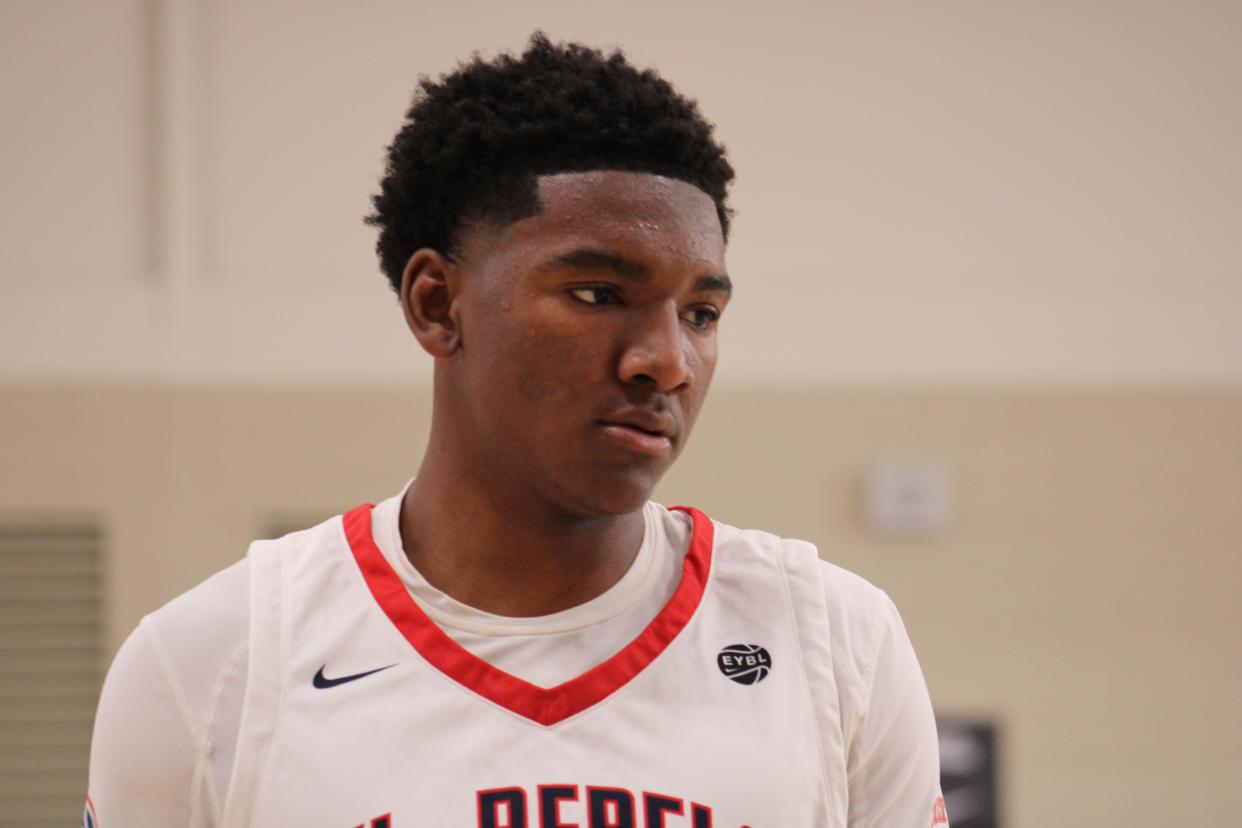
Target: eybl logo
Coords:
[(744, 663)]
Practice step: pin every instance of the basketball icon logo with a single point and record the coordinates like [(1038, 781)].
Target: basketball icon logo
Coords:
[(744, 663)]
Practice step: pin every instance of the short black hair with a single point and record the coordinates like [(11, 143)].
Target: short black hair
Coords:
[(474, 141)]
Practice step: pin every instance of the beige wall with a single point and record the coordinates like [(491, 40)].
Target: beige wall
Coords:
[(1011, 198), (1086, 594)]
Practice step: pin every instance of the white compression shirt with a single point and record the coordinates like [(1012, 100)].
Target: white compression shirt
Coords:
[(170, 711)]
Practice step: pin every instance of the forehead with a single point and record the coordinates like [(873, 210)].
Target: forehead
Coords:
[(642, 214)]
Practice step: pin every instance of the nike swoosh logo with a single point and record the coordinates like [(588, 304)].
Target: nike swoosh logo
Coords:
[(323, 682)]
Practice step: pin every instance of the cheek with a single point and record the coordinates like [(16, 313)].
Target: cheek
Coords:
[(706, 355), (537, 361), (704, 370)]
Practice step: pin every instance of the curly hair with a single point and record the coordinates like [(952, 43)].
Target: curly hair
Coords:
[(474, 142)]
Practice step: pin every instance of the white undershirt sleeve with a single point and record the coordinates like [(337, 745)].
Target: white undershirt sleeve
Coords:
[(894, 760), (167, 725), (144, 750)]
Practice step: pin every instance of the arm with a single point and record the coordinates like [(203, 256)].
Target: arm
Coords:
[(171, 708), (894, 760), (144, 750)]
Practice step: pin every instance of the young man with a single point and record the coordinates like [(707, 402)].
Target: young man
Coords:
[(521, 638)]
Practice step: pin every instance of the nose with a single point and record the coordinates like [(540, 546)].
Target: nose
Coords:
[(658, 352)]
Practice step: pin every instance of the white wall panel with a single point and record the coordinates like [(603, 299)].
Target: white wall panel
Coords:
[(971, 192), (72, 136)]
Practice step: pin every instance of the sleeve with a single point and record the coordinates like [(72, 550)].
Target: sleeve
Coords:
[(894, 760), (144, 750)]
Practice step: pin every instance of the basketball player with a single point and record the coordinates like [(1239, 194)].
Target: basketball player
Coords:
[(520, 638)]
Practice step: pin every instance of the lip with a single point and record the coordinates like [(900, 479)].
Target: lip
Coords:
[(638, 441), (644, 420)]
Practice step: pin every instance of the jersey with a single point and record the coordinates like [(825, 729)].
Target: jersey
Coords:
[(744, 701)]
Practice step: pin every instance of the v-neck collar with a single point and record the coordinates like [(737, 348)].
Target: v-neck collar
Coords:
[(550, 705)]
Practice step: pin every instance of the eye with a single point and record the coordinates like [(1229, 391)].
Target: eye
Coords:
[(596, 295), (702, 317)]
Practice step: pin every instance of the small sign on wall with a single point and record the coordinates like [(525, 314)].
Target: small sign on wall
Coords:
[(909, 499)]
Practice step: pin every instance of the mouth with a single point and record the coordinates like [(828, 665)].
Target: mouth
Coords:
[(638, 440)]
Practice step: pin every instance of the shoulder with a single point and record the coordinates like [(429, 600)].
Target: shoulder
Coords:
[(309, 550), (213, 616), (206, 625), (847, 596), (189, 641), (189, 649), (854, 604)]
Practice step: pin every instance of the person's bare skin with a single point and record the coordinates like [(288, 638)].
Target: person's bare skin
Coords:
[(554, 336)]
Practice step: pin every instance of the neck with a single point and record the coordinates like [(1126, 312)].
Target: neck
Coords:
[(496, 546)]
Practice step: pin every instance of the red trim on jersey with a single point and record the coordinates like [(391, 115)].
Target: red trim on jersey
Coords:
[(547, 706)]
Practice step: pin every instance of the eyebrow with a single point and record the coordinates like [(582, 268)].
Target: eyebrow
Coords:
[(715, 283), (586, 258)]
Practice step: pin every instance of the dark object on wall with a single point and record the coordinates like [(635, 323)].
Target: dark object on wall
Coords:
[(968, 772)]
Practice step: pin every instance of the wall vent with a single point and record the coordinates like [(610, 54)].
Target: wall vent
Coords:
[(50, 653)]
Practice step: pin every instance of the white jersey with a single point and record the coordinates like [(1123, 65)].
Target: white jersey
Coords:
[(764, 688)]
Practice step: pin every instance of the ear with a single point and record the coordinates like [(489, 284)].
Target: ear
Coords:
[(429, 288)]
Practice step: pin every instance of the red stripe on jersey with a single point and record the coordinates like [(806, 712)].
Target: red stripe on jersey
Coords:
[(547, 706)]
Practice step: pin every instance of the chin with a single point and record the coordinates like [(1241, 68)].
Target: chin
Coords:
[(615, 493)]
